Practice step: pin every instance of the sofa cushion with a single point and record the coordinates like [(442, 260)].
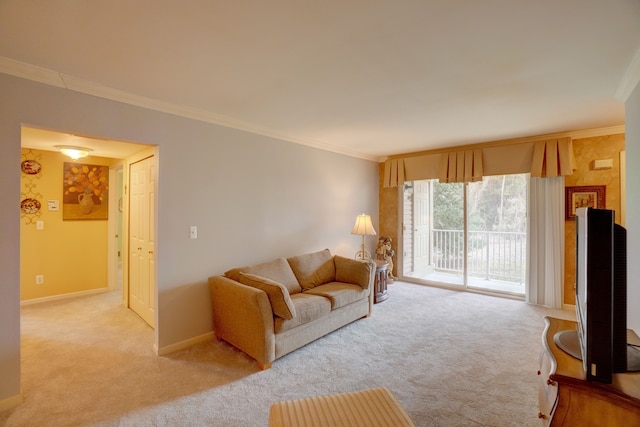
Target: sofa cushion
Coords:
[(277, 270), (308, 308), (313, 269), (353, 271), (278, 295), (339, 293)]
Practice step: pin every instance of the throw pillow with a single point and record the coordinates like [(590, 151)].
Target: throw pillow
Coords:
[(277, 270), (278, 294), (313, 269), (353, 271)]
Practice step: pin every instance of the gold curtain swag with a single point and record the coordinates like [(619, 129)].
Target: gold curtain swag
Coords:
[(461, 166), (553, 158), (393, 173)]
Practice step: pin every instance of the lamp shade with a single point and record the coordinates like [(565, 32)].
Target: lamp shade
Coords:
[(363, 226)]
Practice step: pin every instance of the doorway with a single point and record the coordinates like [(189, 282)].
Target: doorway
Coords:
[(467, 235), (67, 241)]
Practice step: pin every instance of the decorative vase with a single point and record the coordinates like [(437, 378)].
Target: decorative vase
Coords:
[(85, 200)]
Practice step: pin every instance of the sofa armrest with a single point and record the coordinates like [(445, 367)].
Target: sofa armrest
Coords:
[(358, 272), (242, 316), (355, 271)]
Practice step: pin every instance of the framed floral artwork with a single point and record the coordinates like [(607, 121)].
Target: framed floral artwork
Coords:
[(581, 197), (85, 191)]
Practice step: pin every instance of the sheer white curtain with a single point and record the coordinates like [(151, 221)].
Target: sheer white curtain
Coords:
[(546, 242)]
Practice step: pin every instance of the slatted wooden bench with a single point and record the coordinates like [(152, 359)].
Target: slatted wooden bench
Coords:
[(376, 407)]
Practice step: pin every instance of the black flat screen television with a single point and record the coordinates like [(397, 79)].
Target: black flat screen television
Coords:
[(601, 298), (601, 293)]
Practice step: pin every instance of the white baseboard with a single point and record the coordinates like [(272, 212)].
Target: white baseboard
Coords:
[(10, 403), (183, 344), (64, 296)]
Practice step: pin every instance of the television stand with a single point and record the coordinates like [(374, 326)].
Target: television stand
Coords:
[(569, 342), (633, 358), (565, 398)]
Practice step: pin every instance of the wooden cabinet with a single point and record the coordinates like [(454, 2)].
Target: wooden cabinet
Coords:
[(566, 399)]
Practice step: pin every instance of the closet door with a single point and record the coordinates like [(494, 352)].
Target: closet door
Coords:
[(141, 239)]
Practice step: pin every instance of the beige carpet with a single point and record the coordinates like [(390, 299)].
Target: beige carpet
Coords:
[(451, 359)]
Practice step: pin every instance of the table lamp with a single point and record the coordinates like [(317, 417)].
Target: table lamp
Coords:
[(363, 227)]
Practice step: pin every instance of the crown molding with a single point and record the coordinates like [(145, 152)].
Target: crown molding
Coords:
[(630, 80), (30, 72), (54, 78), (593, 133)]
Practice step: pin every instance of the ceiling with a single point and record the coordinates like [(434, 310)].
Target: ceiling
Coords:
[(368, 78)]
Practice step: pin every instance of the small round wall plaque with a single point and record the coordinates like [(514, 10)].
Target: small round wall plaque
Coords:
[(29, 206), (30, 167)]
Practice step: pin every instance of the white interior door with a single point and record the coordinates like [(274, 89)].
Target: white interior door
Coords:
[(141, 239)]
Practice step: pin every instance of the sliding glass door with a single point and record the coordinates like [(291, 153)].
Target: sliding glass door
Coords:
[(468, 235)]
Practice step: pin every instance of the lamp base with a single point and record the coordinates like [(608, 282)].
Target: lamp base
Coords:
[(363, 255)]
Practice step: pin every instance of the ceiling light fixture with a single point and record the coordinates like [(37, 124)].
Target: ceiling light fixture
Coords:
[(74, 152)]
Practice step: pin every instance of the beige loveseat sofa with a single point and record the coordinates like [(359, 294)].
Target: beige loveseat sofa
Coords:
[(270, 309)]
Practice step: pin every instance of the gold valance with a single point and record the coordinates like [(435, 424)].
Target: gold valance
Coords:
[(544, 158), (393, 173), (461, 166), (553, 158)]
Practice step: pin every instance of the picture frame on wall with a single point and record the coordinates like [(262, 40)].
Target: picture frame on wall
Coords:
[(85, 191), (592, 196)]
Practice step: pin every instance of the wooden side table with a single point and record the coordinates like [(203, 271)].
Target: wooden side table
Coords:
[(380, 284)]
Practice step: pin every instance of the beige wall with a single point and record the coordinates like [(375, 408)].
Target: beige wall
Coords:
[(586, 151), (252, 197), (632, 111), (71, 255)]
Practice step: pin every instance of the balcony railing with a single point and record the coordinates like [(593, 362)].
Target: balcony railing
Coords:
[(492, 255)]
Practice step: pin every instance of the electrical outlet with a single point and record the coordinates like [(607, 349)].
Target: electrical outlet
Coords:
[(39, 279)]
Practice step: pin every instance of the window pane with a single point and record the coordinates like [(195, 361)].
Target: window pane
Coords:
[(448, 232), (497, 221), (434, 232)]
